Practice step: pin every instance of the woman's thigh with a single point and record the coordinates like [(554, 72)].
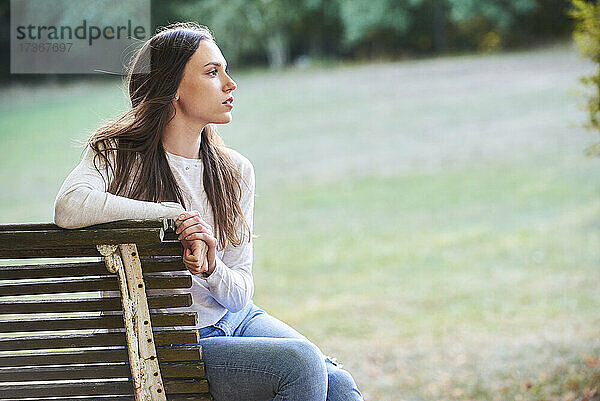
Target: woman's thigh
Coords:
[(251, 368), (258, 323)]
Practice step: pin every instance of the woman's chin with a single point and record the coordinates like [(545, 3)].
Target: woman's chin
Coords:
[(224, 120)]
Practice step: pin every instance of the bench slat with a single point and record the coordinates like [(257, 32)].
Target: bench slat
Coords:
[(51, 270), (174, 397), (97, 371), (161, 338), (84, 236), (19, 391), (171, 248), (156, 223), (107, 283), (186, 386), (94, 322), (170, 354), (182, 369), (89, 304), (16, 391)]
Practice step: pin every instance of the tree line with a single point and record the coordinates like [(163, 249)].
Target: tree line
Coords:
[(278, 33)]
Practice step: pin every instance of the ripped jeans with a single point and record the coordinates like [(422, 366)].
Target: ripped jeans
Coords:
[(251, 356)]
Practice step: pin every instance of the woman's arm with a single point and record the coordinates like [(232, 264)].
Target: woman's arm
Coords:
[(230, 280), (83, 201)]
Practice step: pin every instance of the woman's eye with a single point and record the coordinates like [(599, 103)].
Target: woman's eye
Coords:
[(215, 71)]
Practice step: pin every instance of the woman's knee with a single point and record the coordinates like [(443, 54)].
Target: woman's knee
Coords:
[(305, 376), (287, 368), (304, 356), (341, 385)]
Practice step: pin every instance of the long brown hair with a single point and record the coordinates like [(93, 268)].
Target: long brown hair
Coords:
[(130, 147)]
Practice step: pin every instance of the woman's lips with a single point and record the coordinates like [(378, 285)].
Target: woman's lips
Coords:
[(228, 102)]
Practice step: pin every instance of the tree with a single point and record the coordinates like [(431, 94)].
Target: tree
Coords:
[(500, 13), (430, 21), (587, 38), (488, 21), (363, 19), (247, 26)]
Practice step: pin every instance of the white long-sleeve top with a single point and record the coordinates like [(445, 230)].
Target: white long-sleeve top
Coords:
[(83, 200)]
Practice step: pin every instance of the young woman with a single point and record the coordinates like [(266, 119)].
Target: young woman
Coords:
[(164, 159)]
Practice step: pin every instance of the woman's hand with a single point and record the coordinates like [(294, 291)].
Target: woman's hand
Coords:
[(194, 256), (189, 223), (197, 237)]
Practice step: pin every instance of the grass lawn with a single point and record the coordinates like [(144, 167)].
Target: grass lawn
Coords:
[(433, 224)]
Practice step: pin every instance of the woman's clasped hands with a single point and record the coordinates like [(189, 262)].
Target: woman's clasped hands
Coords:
[(199, 243)]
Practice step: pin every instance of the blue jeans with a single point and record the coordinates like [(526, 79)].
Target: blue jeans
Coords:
[(249, 355)]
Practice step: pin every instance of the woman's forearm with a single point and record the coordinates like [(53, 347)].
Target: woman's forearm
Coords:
[(231, 286), (82, 207), (83, 200)]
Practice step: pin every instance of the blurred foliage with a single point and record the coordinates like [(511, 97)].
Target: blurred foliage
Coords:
[(243, 27), (281, 32), (587, 38), (486, 24), (501, 13), (285, 30), (361, 18)]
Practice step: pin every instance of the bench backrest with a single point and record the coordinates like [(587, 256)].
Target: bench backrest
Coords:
[(61, 319)]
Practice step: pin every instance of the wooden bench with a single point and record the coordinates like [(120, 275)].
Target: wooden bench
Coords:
[(77, 324)]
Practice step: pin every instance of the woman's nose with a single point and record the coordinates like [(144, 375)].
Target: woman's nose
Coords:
[(231, 85)]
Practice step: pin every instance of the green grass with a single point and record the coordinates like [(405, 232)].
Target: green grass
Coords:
[(433, 223)]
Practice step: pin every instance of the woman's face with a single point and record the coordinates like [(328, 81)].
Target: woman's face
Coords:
[(205, 88)]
